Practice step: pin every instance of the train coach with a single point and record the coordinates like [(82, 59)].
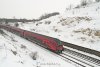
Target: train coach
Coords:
[(50, 43)]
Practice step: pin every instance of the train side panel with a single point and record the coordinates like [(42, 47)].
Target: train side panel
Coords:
[(40, 39), (48, 42)]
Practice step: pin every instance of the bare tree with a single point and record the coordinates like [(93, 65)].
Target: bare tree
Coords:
[(33, 55), (16, 24), (90, 1), (83, 2), (97, 0)]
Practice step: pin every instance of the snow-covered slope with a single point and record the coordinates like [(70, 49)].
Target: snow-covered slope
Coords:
[(18, 52), (80, 26)]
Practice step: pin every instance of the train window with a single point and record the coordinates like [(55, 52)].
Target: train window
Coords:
[(58, 41)]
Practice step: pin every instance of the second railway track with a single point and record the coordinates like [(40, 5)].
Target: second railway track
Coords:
[(85, 60), (75, 57), (75, 61)]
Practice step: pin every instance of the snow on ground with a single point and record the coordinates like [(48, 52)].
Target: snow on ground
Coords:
[(17, 52), (80, 26)]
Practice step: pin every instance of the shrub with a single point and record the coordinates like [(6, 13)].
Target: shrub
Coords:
[(97, 0), (33, 55), (2, 32), (97, 33), (77, 6), (22, 46), (83, 2), (47, 22), (14, 52), (16, 24)]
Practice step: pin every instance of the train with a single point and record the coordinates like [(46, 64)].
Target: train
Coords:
[(48, 42)]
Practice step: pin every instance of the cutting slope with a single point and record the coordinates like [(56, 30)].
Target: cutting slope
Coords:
[(80, 26)]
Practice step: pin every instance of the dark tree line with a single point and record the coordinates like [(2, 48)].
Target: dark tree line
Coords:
[(27, 20), (14, 20), (48, 15), (85, 2), (97, 0)]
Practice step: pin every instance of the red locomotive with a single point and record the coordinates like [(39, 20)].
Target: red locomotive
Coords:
[(48, 42)]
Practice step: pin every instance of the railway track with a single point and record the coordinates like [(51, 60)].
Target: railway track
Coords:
[(74, 61), (83, 49), (68, 58), (78, 59), (81, 59)]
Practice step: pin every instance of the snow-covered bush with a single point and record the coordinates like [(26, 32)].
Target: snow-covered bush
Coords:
[(83, 2), (70, 20), (83, 38), (16, 24), (97, 33), (97, 0), (89, 32), (14, 52), (47, 22), (2, 32), (33, 55), (22, 46), (78, 6)]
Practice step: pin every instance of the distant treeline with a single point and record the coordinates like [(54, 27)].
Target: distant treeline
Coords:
[(48, 15), (27, 20), (14, 20)]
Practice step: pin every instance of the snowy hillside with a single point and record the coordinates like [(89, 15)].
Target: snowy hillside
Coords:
[(80, 26), (18, 52)]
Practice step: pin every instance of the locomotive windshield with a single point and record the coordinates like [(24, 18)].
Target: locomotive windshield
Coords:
[(58, 41)]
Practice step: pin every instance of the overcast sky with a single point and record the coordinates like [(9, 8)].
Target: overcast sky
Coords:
[(32, 8)]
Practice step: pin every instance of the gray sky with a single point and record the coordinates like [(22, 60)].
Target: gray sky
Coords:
[(32, 8)]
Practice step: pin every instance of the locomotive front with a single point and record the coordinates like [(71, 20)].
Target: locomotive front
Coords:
[(59, 46)]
